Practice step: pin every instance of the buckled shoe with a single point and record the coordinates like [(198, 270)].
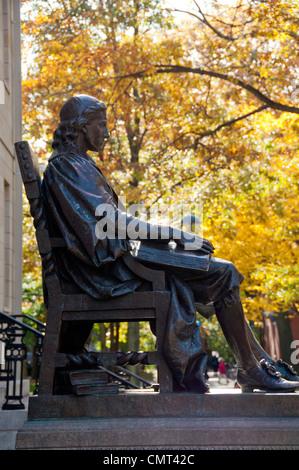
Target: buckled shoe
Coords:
[(266, 378), (287, 371)]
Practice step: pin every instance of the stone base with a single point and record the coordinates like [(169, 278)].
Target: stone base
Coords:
[(147, 420), (160, 434), (10, 422), (148, 404)]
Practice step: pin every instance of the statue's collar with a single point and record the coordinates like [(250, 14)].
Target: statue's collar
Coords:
[(72, 148)]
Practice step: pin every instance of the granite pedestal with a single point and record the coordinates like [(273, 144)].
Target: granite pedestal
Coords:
[(149, 420)]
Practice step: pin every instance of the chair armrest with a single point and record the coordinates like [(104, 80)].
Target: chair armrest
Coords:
[(157, 278)]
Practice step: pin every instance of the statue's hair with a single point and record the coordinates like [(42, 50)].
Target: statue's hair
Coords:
[(68, 130)]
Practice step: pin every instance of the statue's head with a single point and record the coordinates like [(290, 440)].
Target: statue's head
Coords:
[(83, 121)]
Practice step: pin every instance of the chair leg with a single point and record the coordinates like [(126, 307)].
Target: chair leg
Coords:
[(50, 348), (51, 345), (165, 377)]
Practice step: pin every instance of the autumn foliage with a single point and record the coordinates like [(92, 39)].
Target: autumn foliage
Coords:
[(201, 109)]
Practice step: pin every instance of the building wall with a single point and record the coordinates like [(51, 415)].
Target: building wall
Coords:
[(10, 180)]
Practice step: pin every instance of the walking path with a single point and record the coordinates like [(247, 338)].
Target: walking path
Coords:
[(222, 385)]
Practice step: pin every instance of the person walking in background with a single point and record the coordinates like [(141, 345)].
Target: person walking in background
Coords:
[(222, 371)]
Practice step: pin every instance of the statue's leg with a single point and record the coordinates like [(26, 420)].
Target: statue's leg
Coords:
[(232, 321), (220, 285), (182, 344), (194, 374), (252, 374), (256, 348)]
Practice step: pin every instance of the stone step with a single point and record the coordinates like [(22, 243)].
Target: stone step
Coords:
[(10, 423), (151, 404), (12, 420), (160, 434), (149, 420)]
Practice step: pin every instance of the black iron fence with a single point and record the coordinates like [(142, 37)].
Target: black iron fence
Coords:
[(13, 331), (18, 356)]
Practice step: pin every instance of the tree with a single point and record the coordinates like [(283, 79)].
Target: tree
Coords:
[(78, 46), (198, 114), (250, 51)]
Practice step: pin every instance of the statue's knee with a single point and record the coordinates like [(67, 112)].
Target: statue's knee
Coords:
[(232, 270)]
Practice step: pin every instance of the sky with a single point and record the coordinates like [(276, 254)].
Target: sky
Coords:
[(189, 4), (181, 4), (184, 4)]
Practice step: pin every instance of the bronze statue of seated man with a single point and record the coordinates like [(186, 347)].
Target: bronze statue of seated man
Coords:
[(72, 189)]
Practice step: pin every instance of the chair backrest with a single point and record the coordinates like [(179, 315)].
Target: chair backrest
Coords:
[(31, 177), (29, 167)]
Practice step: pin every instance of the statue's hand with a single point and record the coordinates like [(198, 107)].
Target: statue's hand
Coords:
[(194, 242)]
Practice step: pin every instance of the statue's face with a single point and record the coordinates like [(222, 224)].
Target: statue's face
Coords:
[(96, 132)]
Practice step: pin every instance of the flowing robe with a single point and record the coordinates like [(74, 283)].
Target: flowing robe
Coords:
[(72, 189)]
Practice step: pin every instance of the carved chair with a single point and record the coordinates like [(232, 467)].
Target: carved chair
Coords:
[(62, 307)]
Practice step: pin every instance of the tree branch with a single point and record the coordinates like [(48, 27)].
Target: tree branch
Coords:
[(229, 123), (203, 19), (211, 131), (161, 68), (171, 188), (168, 68)]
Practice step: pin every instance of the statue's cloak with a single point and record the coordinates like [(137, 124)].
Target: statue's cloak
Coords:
[(73, 187)]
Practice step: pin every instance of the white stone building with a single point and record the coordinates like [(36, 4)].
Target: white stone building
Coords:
[(10, 192), (10, 180)]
